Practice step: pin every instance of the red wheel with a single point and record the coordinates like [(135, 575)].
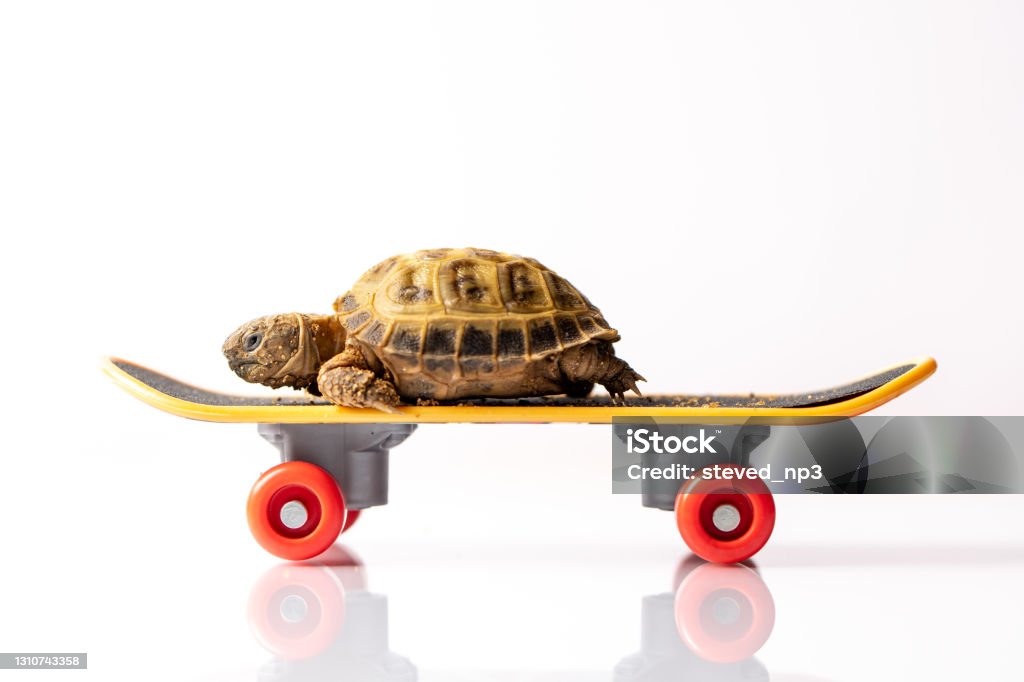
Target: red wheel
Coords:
[(297, 610), (725, 521), (724, 613), (296, 510), (350, 519)]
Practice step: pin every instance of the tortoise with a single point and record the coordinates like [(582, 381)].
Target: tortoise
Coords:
[(439, 325)]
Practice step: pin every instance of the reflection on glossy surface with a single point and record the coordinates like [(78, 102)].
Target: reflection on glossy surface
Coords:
[(724, 613), (321, 623), (709, 629)]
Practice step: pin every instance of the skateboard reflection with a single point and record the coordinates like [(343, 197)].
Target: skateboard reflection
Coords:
[(320, 622)]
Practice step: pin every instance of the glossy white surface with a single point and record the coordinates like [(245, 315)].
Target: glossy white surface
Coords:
[(493, 560)]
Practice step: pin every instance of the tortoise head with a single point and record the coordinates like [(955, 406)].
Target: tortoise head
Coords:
[(275, 350)]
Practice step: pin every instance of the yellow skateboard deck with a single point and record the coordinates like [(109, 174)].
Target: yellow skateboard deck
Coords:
[(847, 400)]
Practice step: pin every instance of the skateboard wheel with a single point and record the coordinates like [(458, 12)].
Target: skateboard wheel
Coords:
[(724, 614), (297, 610), (725, 521), (350, 518), (296, 510)]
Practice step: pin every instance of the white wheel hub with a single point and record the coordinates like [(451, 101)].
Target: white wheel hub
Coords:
[(726, 518), (294, 514)]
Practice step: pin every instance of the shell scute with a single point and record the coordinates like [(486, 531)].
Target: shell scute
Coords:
[(511, 345), (474, 368), (439, 367), (477, 339), (356, 320), (410, 290), (568, 331), (347, 303), (374, 333), (543, 339), (523, 288), (565, 295), (407, 338), (595, 330), (440, 339), (489, 255), (404, 347), (470, 285)]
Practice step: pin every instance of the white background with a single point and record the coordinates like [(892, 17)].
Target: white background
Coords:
[(759, 196)]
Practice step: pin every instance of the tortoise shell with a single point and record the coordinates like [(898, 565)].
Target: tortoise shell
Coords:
[(449, 323)]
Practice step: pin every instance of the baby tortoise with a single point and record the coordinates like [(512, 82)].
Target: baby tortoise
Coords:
[(442, 324)]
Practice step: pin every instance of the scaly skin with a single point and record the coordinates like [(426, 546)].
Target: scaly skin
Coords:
[(347, 380), (284, 350), (596, 363)]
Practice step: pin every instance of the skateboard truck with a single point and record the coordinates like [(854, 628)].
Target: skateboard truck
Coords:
[(355, 455), (328, 474)]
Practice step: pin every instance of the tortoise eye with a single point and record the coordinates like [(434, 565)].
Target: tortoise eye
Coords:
[(252, 342)]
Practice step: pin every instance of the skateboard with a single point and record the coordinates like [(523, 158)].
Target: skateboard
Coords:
[(335, 459)]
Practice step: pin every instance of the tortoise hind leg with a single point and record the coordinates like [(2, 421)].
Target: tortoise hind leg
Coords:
[(621, 381), (596, 363), (347, 380)]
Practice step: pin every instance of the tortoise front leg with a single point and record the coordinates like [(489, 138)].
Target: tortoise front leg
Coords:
[(347, 380)]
